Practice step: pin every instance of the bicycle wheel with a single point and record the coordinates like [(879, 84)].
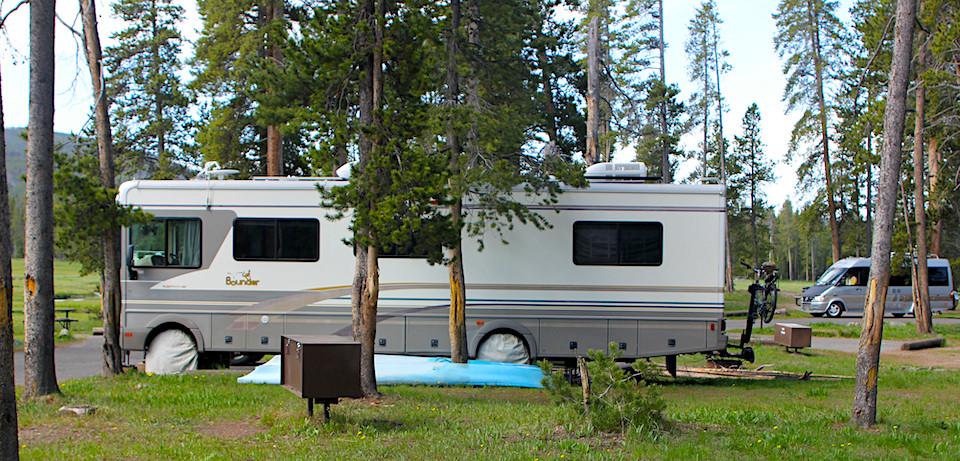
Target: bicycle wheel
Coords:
[(769, 304)]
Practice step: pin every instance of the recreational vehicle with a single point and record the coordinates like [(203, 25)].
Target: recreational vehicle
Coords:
[(842, 288), (235, 264)]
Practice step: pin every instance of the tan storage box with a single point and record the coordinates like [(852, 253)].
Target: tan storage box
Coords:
[(792, 335)]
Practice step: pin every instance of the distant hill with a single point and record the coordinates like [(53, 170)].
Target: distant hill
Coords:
[(16, 155)]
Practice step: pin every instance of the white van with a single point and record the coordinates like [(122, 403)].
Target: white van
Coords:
[(843, 288)]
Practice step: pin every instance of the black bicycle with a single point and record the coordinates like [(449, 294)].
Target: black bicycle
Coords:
[(763, 297)]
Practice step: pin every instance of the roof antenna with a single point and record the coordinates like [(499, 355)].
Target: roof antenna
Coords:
[(212, 170)]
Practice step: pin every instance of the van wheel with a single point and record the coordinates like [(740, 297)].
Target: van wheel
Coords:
[(899, 316), (834, 310), (503, 346), (245, 359)]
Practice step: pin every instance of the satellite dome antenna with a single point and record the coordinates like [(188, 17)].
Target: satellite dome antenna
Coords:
[(212, 170)]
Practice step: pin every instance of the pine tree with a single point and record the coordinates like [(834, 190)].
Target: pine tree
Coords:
[(9, 446), (757, 169), (809, 39), (149, 102)]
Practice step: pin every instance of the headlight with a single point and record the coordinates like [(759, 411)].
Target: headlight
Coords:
[(819, 298)]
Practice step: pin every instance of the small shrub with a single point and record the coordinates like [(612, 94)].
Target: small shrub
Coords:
[(620, 400)]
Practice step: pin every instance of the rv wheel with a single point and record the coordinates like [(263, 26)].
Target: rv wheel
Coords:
[(503, 347), (171, 352), (834, 310)]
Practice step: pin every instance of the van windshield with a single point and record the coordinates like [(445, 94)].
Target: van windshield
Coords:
[(831, 276)]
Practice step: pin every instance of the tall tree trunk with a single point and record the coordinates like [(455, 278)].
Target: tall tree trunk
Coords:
[(163, 162), (814, 16), (722, 152), (933, 160), (110, 278), (457, 314), (9, 446), (869, 180), (368, 324), (40, 376), (921, 290), (665, 172), (753, 204), (868, 356), (706, 107), (549, 106), (274, 137), (592, 153)]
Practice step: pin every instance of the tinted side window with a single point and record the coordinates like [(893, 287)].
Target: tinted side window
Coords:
[(256, 239), (618, 243), (938, 276), (856, 276)]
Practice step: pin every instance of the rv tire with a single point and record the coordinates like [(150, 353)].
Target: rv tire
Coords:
[(503, 346)]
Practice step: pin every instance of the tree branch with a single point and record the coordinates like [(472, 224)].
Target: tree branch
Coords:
[(3, 20)]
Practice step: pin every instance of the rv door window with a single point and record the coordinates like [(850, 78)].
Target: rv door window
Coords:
[(166, 242), (257, 239), (617, 243)]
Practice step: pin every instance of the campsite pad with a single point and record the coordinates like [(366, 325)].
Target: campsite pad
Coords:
[(401, 369)]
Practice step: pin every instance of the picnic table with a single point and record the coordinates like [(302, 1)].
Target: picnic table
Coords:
[(65, 321)]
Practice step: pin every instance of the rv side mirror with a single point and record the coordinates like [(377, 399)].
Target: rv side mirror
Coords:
[(132, 273)]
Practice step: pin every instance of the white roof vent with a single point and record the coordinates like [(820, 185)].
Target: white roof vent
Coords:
[(212, 170), (345, 170), (621, 170)]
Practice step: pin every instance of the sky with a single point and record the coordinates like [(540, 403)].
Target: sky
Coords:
[(747, 33)]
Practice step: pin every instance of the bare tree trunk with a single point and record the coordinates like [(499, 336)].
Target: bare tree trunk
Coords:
[(722, 152), (9, 446), (110, 299), (868, 356), (869, 179), (933, 160), (457, 315), (40, 377), (592, 153), (665, 173), (824, 135), (368, 324), (274, 137), (921, 290)]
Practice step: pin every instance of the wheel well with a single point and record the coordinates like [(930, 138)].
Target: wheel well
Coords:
[(166, 327), (508, 331)]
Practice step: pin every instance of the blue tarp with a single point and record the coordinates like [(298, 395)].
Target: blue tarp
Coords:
[(401, 369)]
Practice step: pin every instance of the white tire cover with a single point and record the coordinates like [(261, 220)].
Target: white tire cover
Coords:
[(503, 347), (171, 352)]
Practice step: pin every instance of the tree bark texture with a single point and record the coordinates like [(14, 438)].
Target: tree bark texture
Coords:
[(933, 161), (868, 356), (368, 324), (40, 376), (665, 173), (274, 137), (921, 290), (592, 153), (9, 446), (457, 314), (110, 278), (824, 134)]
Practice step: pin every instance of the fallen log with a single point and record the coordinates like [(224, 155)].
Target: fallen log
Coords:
[(739, 373), (939, 341)]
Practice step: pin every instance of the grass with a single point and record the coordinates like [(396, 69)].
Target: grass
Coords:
[(71, 290), (209, 416), (896, 330)]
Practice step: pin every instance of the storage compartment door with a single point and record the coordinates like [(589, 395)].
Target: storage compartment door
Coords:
[(663, 337), (427, 335), (572, 338), (228, 332), (391, 334), (263, 332)]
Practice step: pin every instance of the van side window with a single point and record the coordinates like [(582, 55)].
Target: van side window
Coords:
[(166, 242), (604, 243), (259, 239), (938, 277), (856, 277)]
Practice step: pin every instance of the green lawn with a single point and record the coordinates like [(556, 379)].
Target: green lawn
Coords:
[(71, 289), (896, 330), (209, 416)]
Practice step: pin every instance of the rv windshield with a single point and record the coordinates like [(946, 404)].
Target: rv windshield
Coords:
[(831, 275)]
